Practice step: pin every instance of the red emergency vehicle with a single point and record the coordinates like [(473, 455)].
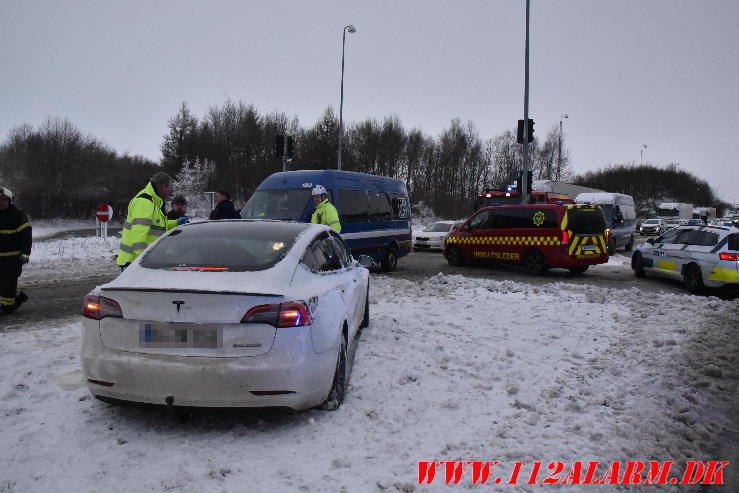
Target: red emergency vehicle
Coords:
[(539, 236)]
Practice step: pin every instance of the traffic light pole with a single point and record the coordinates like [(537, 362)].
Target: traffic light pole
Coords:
[(523, 187)]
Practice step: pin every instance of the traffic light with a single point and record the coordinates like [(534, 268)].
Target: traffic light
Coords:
[(289, 146), (279, 146), (519, 131)]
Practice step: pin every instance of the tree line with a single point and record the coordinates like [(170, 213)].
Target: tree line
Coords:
[(650, 185), (57, 171), (444, 171)]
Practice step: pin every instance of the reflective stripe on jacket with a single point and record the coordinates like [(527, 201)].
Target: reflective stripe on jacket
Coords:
[(326, 213), (15, 233), (145, 222)]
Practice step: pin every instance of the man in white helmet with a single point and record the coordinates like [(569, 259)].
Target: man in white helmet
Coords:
[(325, 212), (15, 250)]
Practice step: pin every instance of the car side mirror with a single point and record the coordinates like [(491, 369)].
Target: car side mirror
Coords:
[(366, 261), (650, 241)]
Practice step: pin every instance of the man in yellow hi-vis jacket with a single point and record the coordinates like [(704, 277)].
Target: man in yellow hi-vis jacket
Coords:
[(325, 212), (146, 219)]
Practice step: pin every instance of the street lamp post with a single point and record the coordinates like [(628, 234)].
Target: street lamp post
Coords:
[(644, 146), (351, 29), (559, 158)]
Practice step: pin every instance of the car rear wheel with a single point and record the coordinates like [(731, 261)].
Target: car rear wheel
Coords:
[(637, 265), (454, 257), (390, 262), (535, 263), (336, 395), (579, 269), (694, 279)]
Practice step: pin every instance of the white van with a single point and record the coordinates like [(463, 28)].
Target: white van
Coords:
[(620, 217)]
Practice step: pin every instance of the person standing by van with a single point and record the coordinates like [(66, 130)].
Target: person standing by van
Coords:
[(325, 212), (224, 207)]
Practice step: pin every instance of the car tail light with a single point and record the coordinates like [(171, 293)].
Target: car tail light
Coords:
[(565, 236), (608, 233), (729, 256), (98, 307), (279, 315)]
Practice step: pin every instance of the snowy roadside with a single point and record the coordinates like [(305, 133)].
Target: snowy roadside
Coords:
[(71, 258), (450, 369)]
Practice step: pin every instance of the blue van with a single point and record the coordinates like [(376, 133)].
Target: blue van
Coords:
[(374, 211)]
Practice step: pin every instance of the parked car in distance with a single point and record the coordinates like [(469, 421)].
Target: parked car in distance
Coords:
[(652, 227), (701, 256), (432, 237), (229, 313), (674, 223)]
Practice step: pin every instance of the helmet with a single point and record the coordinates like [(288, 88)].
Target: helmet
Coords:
[(4, 192), (318, 190)]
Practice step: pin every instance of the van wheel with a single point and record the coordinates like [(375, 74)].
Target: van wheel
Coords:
[(390, 262), (338, 387), (612, 246), (637, 265), (535, 263), (694, 279), (454, 257), (579, 269), (630, 245)]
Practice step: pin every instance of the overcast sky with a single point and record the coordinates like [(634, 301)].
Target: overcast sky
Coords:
[(628, 73)]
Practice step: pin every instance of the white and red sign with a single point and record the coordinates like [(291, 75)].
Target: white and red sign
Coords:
[(104, 212)]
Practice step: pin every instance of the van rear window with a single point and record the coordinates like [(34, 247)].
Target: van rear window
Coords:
[(586, 221), (734, 242)]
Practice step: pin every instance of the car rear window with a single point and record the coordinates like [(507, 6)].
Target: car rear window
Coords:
[(586, 221), (733, 242), (224, 246)]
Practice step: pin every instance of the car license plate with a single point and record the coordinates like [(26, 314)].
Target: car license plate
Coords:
[(588, 248), (179, 335)]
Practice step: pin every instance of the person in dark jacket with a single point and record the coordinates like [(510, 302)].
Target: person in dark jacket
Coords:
[(179, 207), (224, 207), (15, 250)]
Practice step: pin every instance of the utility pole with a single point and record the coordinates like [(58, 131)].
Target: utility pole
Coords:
[(523, 187), (559, 158)]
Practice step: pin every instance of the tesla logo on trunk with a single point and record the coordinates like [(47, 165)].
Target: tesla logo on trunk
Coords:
[(179, 304)]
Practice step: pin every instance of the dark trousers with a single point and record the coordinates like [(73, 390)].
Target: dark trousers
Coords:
[(10, 295)]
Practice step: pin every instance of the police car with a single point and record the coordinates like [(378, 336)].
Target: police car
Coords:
[(702, 256)]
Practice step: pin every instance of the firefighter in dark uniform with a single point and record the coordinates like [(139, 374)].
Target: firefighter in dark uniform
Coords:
[(15, 249)]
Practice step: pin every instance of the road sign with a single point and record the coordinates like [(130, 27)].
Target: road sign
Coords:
[(104, 212)]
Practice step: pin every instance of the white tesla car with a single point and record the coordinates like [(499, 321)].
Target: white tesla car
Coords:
[(229, 314)]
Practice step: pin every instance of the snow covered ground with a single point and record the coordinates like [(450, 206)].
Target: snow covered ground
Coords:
[(450, 369)]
